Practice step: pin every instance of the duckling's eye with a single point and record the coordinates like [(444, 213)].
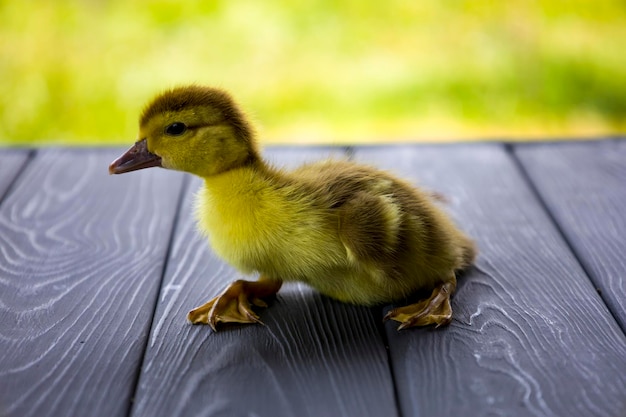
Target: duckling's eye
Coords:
[(176, 129)]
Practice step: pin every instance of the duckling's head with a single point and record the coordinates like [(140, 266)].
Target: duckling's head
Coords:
[(193, 129)]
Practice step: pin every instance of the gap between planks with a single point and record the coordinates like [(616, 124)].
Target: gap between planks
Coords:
[(30, 154), (170, 244), (542, 202)]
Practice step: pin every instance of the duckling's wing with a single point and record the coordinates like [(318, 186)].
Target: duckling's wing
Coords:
[(372, 205), (364, 199), (369, 225)]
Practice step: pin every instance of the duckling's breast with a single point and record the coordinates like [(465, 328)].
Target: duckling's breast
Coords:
[(258, 229)]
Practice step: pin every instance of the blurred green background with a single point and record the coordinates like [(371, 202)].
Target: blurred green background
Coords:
[(80, 72)]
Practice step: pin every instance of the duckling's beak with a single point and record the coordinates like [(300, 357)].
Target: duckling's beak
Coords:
[(137, 157)]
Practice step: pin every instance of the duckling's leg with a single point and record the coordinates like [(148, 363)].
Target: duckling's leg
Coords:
[(234, 304), (433, 310)]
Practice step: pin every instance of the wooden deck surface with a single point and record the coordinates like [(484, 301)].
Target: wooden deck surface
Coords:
[(97, 273)]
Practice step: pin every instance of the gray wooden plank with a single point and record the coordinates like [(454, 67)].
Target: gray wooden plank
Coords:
[(530, 336), (81, 258), (313, 357), (11, 163), (584, 186)]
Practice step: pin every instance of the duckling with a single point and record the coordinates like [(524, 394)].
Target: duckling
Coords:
[(353, 232)]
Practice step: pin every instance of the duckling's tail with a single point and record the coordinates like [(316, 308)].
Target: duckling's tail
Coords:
[(468, 252), (439, 197)]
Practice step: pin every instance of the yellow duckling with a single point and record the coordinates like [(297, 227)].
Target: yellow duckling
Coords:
[(353, 232)]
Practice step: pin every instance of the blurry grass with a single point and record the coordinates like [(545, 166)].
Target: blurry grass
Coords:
[(318, 71)]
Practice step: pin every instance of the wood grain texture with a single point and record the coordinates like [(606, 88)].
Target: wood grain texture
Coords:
[(531, 337), (584, 186), (11, 163), (313, 357), (81, 259)]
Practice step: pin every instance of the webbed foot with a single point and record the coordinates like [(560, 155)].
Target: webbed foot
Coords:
[(234, 305), (434, 310)]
